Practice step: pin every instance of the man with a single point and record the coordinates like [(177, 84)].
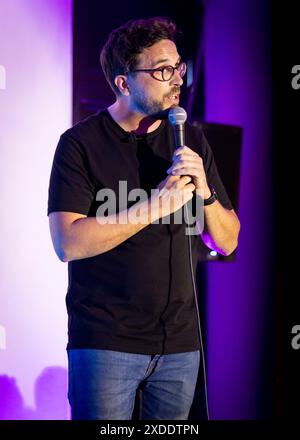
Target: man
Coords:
[(130, 300)]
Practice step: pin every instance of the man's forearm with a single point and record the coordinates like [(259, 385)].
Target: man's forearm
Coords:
[(221, 228), (87, 237)]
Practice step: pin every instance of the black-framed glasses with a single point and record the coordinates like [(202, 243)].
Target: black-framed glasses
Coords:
[(165, 73)]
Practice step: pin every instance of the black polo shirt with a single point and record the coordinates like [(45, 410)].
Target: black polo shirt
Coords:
[(137, 297)]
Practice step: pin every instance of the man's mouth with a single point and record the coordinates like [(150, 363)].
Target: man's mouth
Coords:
[(174, 97)]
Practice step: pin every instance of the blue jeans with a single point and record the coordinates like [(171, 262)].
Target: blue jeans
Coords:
[(103, 384)]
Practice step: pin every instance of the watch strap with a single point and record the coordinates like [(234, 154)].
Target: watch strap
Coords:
[(212, 198)]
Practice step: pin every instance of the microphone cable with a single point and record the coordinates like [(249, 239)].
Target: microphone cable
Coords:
[(198, 317), (177, 117)]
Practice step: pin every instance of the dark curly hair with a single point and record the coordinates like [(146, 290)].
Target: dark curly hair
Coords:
[(119, 53)]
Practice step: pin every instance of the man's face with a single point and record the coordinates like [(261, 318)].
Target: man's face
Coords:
[(147, 94)]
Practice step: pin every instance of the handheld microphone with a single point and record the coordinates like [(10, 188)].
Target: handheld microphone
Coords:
[(177, 117)]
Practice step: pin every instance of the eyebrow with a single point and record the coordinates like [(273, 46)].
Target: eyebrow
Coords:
[(163, 60)]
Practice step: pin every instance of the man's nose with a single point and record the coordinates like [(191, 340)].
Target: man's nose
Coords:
[(176, 78)]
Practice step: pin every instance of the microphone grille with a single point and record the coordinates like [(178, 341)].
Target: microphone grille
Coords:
[(177, 116)]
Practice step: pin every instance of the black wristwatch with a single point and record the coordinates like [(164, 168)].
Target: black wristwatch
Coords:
[(212, 198)]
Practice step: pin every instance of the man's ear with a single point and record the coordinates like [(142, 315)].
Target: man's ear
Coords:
[(121, 83)]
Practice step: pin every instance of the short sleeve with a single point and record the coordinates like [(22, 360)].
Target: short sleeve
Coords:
[(212, 174), (70, 188)]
